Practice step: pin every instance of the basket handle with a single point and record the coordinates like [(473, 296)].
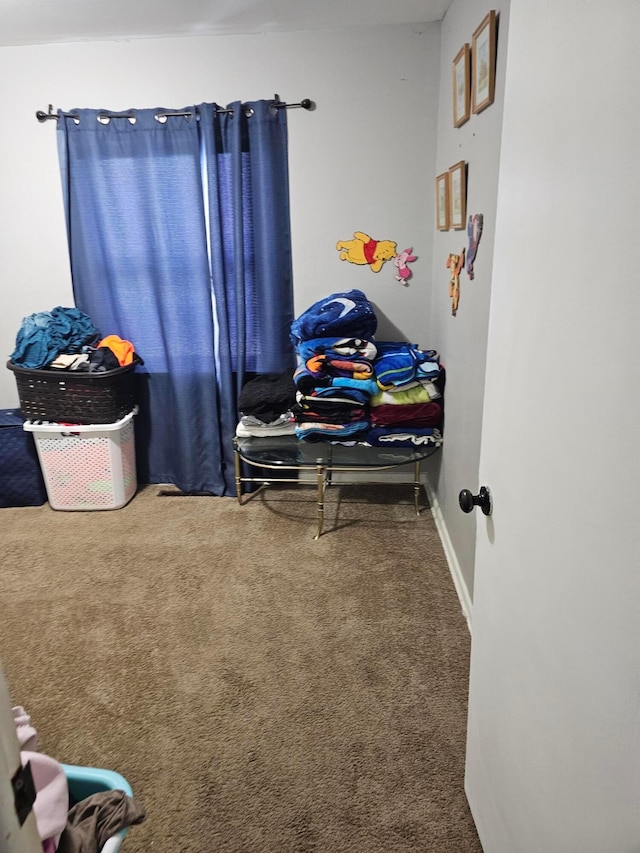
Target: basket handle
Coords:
[(46, 426)]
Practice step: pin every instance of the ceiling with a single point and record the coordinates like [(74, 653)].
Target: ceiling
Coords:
[(25, 22)]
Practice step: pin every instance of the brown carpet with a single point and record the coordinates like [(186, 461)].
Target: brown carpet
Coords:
[(262, 692)]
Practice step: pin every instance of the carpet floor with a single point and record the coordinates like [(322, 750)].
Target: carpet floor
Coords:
[(261, 691)]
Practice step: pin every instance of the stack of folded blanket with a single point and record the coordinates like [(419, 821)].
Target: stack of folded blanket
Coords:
[(352, 388), (335, 377), (407, 409), (347, 387), (335, 380)]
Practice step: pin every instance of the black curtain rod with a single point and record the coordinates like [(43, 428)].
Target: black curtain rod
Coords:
[(305, 104)]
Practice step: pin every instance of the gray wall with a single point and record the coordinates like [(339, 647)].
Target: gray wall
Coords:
[(462, 340), (362, 160)]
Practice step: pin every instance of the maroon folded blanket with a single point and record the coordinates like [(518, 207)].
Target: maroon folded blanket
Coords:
[(416, 414)]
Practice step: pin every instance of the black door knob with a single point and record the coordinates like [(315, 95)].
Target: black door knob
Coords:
[(482, 499)]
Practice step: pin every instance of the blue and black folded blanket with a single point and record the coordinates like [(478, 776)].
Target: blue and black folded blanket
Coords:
[(353, 395), (333, 346), (397, 363), (318, 431), (348, 314), (337, 408), (405, 436)]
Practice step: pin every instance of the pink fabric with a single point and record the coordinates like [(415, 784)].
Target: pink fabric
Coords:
[(52, 794), (27, 735)]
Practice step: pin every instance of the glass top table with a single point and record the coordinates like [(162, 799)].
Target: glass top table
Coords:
[(289, 453)]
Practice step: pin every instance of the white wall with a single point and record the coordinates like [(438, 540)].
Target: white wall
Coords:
[(363, 160), (554, 724), (462, 340)]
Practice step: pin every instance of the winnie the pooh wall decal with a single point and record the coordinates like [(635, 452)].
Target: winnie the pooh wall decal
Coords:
[(364, 250)]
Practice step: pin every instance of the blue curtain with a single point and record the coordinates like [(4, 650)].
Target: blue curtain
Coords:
[(179, 241)]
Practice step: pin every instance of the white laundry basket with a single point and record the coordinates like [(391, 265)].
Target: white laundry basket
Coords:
[(87, 466)]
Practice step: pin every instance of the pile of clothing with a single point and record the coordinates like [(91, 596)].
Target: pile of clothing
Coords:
[(82, 827), (266, 406), (67, 339), (352, 388)]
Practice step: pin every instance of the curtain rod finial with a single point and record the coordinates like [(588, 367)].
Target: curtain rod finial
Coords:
[(42, 116)]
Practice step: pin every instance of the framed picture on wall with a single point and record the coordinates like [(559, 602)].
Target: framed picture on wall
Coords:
[(442, 202), (462, 86), (483, 63), (458, 195)]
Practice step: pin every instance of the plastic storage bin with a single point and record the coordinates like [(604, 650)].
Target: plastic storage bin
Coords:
[(87, 466), (75, 396), (85, 781), (21, 482)]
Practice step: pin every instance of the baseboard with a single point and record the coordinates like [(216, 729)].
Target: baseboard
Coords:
[(449, 552)]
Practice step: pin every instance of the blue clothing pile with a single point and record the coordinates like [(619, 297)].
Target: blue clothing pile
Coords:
[(344, 375), (43, 336)]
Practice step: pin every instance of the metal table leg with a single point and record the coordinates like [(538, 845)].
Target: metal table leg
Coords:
[(416, 487), (321, 483), (236, 459)]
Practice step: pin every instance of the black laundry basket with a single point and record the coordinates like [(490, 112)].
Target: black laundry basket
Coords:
[(75, 396)]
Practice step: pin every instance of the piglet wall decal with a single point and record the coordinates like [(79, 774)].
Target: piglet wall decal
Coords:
[(401, 261)]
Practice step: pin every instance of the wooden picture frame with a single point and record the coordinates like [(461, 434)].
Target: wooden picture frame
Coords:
[(442, 202), (458, 196), (483, 63), (462, 86)]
